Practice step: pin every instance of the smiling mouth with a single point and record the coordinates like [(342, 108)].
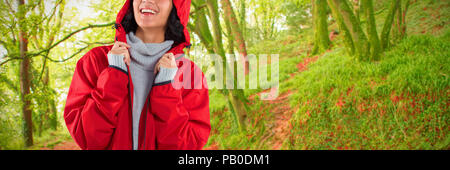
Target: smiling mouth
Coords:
[(148, 11)]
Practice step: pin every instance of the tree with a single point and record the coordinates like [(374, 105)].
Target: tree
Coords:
[(32, 32), (297, 14), (366, 46), (46, 113), (351, 26), (375, 46), (242, 16), (388, 23), (201, 28), (236, 95), (399, 29), (321, 39), (235, 32), (25, 79), (266, 14)]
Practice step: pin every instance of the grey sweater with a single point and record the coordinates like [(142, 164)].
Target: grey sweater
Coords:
[(144, 57)]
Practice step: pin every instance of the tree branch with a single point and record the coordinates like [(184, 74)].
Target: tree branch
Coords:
[(9, 83), (43, 66), (10, 59), (70, 57), (98, 43), (90, 26), (197, 9), (70, 35), (10, 7), (88, 44)]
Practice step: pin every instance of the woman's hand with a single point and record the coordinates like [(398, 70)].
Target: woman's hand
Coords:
[(121, 48), (167, 61)]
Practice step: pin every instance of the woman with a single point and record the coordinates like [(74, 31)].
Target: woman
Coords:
[(125, 96)]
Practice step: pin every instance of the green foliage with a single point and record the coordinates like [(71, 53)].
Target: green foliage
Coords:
[(296, 15), (266, 16), (321, 40), (429, 17), (398, 103), (45, 23), (225, 134)]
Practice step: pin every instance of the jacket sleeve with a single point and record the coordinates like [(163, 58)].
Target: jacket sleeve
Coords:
[(182, 119), (93, 102)]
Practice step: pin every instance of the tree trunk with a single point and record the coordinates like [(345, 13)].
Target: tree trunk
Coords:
[(201, 27), (230, 38), (342, 10), (388, 24), (348, 41), (235, 96), (375, 46), (51, 116), (217, 30), (405, 11), (321, 40), (242, 16), (239, 109), (25, 78), (357, 7), (399, 29), (230, 17)]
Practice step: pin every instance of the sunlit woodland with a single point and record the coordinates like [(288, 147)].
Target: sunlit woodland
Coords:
[(353, 74)]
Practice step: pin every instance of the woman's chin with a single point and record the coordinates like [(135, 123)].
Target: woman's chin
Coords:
[(148, 26)]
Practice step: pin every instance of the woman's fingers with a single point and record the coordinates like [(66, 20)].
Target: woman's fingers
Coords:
[(172, 62), (168, 61), (118, 44), (156, 70), (127, 58), (120, 52), (122, 44), (121, 48)]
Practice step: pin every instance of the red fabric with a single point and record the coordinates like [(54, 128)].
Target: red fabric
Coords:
[(98, 106)]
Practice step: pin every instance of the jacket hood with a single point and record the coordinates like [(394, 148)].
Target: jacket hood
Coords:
[(183, 9)]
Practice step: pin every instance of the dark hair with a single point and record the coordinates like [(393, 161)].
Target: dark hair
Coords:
[(174, 30)]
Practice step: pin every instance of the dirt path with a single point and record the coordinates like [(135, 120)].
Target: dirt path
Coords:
[(66, 145), (280, 126)]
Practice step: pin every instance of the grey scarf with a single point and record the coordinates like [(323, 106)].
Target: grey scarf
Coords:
[(144, 57)]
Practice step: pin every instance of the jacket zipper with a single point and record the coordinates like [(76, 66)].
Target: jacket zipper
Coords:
[(145, 124), (145, 120), (131, 109), (131, 113)]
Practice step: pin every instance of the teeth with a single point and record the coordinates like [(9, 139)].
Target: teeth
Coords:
[(148, 11)]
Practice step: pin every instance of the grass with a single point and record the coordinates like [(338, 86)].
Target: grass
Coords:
[(400, 102), (225, 134), (429, 17), (50, 139)]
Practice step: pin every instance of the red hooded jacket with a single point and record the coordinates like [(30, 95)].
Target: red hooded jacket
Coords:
[(98, 107)]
